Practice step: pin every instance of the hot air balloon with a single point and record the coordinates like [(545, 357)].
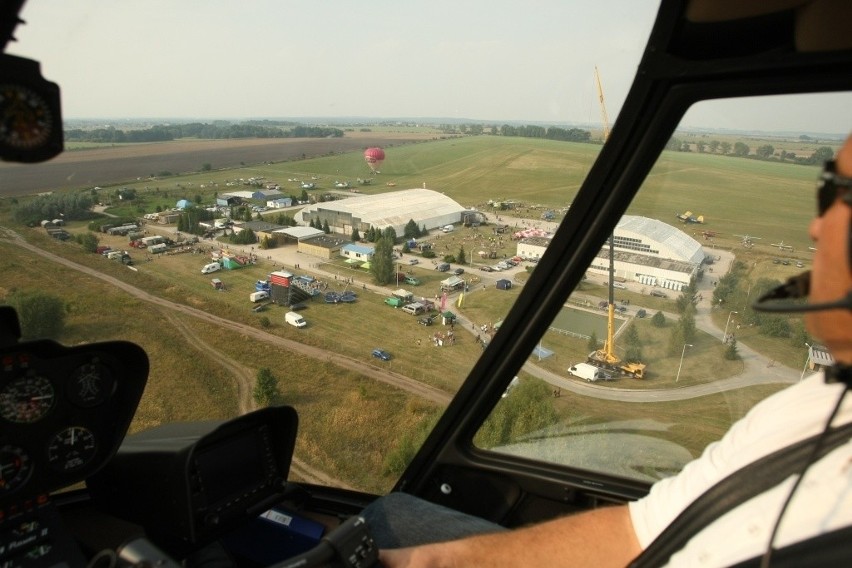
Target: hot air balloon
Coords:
[(374, 158)]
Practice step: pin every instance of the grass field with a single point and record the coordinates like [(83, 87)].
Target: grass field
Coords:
[(737, 196)]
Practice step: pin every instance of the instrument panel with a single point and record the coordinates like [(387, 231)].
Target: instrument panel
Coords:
[(63, 414)]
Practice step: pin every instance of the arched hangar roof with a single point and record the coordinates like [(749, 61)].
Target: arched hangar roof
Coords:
[(395, 208), (667, 241)]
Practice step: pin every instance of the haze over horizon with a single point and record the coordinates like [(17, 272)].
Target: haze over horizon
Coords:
[(482, 60)]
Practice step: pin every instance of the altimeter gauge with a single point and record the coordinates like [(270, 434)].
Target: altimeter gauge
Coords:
[(72, 448)]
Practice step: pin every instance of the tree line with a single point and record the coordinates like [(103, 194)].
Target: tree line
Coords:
[(743, 150), (164, 133)]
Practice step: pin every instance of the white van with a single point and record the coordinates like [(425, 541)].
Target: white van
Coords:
[(212, 267), (589, 372), (258, 296), (295, 319), (447, 228)]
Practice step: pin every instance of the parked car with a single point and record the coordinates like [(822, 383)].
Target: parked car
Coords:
[(458, 271), (641, 313), (486, 268), (659, 294), (427, 320), (413, 261), (381, 354)]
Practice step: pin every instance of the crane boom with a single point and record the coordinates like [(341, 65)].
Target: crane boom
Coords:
[(603, 105), (607, 356)]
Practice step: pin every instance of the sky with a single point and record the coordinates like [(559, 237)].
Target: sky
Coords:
[(490, 60)]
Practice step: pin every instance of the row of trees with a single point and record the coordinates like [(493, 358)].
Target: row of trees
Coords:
[(743, 150), (548, 133), (70, 206), (161, 133)]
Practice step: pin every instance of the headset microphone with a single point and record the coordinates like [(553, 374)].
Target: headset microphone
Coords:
[(776, 301), (796, 288)]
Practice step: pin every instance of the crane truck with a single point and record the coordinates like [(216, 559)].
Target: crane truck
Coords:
[(606, 357)]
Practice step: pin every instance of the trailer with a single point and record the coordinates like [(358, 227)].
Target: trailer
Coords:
[(258, 296)]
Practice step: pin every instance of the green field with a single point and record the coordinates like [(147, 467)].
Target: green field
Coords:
[(737, 196)]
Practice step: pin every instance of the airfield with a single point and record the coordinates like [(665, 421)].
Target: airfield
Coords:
[(536, 175)]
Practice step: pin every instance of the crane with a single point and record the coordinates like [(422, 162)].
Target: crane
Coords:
[(607, 356), (603, 105)]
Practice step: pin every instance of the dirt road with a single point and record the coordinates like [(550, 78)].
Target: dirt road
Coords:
[(243, 375)]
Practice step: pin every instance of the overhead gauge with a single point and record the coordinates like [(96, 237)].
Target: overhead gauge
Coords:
[(30, 115), (26, 399), (25, 117)]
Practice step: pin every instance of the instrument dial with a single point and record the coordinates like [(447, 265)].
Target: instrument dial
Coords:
[(26, 120), (90, 385), (27, 399), (15, 468), (72, 448)]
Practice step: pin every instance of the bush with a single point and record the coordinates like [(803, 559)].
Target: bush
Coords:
[(41, 315), (265, 388), (731, 353)]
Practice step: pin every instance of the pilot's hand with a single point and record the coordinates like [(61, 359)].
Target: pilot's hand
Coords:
[(421, 556)]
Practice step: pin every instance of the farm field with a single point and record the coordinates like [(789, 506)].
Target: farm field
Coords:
[(100, 165)]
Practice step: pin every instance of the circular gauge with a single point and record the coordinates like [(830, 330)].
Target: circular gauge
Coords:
[(26, 120), (15, 468), (90, 385), (26, 399), (71, 449)]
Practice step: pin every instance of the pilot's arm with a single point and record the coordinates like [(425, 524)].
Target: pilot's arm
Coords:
[(602, 537)]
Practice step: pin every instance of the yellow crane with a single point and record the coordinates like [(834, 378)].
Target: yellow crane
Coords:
[(607, 356), (603, 105)]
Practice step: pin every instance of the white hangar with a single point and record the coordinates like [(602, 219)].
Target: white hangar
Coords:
[(651, 252), (395, 209)]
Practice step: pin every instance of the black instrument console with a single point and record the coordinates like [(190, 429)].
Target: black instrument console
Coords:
[(188, 483), (63, 414)]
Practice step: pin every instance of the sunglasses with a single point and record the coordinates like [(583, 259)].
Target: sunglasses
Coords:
[(829, 185)]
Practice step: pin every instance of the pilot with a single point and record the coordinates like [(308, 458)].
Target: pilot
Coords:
[(760, 525)]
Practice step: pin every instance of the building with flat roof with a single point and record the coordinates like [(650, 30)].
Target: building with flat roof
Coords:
[(532, 248), (323, 246), (427, 208), (359, 252)]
